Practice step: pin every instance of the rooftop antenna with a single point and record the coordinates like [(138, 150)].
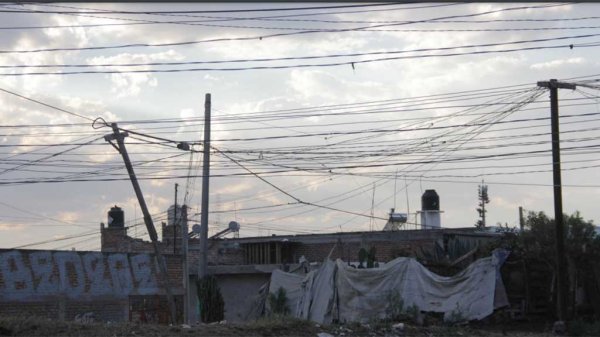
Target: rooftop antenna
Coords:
[(135, 220), (395, 190), (406, 191), (235, 211), (372, 209), (220, 208)]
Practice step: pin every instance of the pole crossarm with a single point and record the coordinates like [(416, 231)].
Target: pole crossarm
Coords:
[(556, 84)]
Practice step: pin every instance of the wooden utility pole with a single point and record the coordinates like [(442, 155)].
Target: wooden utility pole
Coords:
[(119, 137), (203, 263), (561, 259)]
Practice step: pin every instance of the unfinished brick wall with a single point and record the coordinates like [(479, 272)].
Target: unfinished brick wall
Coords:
[(116, 240), (63, 284), (348, 251)]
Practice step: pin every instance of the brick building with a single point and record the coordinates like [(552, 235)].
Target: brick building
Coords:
[(121, 283), (243, 265)]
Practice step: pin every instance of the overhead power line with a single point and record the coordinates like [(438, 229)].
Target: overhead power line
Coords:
[(262, 37), (289, 169), (45, 104), (319, 65), (294, 58), (208, 18), (248, 10)]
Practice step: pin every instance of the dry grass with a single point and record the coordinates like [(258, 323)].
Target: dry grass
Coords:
[(277, 326)]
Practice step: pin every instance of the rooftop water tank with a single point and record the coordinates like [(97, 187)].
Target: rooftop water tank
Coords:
[(430, 201), (116, 217), (234, 226)]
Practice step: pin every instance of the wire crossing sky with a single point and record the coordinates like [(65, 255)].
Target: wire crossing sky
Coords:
[(314, 107)]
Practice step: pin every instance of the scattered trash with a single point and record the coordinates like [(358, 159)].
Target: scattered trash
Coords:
[(185, 326), (324, 334), (559, 328), (398, 326)]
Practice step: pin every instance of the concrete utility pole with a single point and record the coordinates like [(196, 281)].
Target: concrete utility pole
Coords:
[(203, 263), (184, 255), (119, 137), (175, 222), (561, 259), (521, 219)]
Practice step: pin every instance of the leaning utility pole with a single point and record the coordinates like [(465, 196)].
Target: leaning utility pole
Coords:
[(119, 137), (561, 259), (203, 263)]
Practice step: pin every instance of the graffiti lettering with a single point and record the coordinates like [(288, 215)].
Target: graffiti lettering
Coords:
[(42, 268), (141, 266), (93, 264), (29, 275), (17, 278)]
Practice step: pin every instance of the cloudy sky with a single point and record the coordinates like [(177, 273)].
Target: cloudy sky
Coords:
[(325, 115)]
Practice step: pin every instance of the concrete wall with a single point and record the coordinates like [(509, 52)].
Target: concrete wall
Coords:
[(239, 292), (62, 284)]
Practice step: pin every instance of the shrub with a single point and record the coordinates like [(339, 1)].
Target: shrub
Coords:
[(278, 302), (212, 306)]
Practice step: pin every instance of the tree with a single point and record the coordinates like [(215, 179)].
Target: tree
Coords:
[(483, 200), (537, 244)]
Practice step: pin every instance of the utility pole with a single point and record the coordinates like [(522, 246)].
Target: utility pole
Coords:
[(184, 255), (119, 137), (175, 222), (203, 263), (521, 219), (561, 259)]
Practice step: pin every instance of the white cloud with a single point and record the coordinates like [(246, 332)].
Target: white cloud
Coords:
[(558, 63), (234, 189), (69, 216), (318, 85), (12, 227), (131, 84)]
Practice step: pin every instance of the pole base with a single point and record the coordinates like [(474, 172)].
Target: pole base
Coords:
[(559, 328)]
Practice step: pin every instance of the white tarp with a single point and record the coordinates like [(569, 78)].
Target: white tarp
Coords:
[(292, 283), (318, 294), (348, 294)]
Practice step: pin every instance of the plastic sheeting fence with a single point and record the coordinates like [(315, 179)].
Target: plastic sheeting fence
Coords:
[(340, 292)]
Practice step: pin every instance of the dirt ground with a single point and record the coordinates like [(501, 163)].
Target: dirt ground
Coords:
[(21, 326)]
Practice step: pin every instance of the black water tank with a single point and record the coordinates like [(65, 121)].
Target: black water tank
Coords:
[(116, 217), (430, 201)]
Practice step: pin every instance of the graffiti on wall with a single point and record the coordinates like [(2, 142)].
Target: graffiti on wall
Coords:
[(32, 275)]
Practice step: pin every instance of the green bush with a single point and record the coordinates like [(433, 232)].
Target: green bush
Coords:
[(212, 306), (396, 311), (278, 302)]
